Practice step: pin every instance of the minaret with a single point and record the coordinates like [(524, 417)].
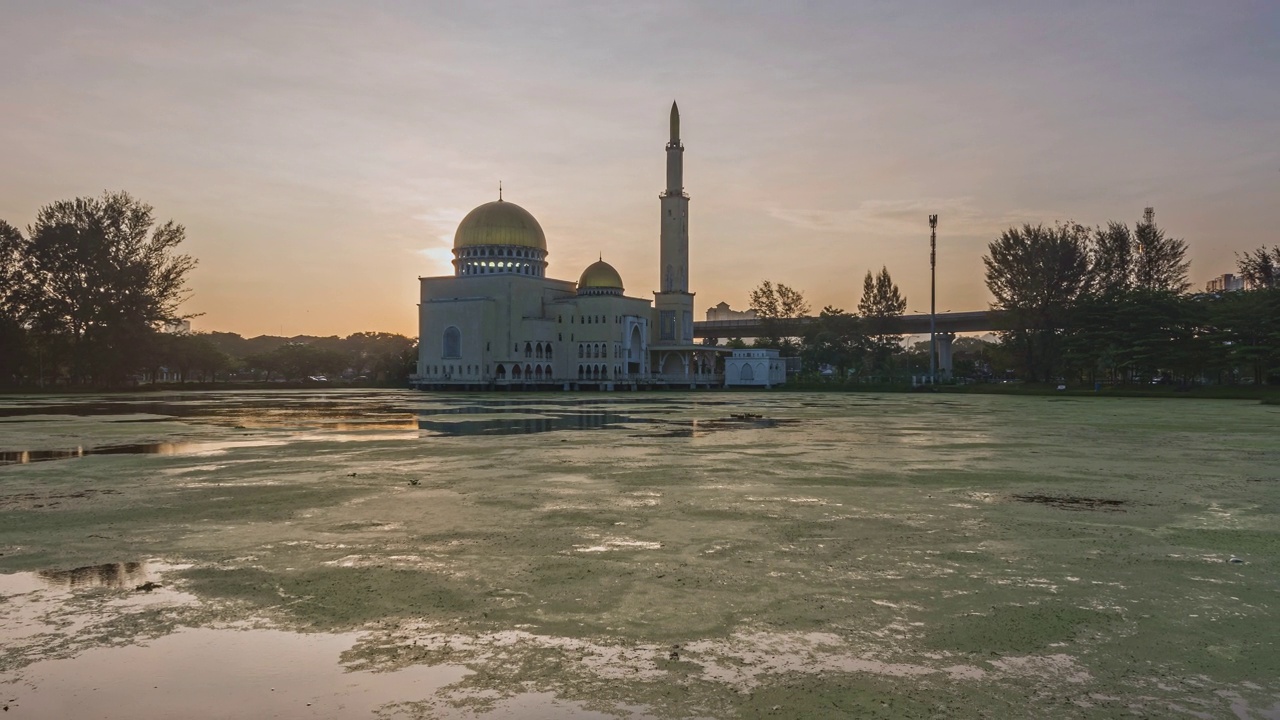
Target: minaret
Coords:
[(674, 302)]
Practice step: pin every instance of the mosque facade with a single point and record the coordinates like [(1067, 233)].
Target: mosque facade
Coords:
[(499, 322)]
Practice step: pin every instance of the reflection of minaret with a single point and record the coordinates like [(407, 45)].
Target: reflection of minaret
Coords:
[(674, 302)]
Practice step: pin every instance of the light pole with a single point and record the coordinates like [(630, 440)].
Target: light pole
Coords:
[(933, 293)]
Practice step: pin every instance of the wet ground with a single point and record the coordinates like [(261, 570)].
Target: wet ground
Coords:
[(406, 555)]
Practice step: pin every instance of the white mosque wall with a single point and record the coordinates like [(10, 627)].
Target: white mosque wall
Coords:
[(754, 368), (478, 329)]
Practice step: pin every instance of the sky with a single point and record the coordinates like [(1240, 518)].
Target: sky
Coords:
[(320, 154)]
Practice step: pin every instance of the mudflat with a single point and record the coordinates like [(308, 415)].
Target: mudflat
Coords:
[(393, 554)]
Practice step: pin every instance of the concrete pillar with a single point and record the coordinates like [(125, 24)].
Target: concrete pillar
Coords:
[(944, 354)]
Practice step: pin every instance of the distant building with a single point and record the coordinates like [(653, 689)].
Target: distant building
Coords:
[(754, 367), (1225, 283), (723, 312)]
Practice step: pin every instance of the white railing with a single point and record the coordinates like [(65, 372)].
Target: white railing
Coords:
[(695, 378)]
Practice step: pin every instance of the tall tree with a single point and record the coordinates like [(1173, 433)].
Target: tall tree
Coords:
[(1140, 259), (102, 273), (881, 304), (1260, 268), (1160, 263), (834, 339), (1112, 259), (1035, 274), (778, 301), (774, 304), (12, 333)]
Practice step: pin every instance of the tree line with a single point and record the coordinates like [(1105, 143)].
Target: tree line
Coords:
[(1110, 303), (837, 341), (1113, 304), (90, 296)]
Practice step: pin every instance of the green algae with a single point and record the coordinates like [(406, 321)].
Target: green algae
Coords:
[(1015, 629), (897, 529), (333, 598)]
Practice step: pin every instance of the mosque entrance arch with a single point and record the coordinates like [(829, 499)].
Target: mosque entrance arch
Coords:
[(673, 364), (635, 352), (746, 375)]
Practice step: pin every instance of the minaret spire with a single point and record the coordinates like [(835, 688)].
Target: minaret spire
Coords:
[(499, 191), (675, 156), (674, 302)]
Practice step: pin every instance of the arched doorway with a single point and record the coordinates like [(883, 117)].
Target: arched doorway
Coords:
[(635, 353), (673, 365)]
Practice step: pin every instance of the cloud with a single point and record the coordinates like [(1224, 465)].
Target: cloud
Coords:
[(441, 223), (960, 216)]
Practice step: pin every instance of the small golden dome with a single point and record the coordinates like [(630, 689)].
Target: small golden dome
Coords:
[(600, 276), (499, 223)]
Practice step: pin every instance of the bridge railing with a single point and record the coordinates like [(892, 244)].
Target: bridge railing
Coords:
[(913, 324)]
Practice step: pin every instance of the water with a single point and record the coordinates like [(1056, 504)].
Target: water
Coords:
[(637, 555)]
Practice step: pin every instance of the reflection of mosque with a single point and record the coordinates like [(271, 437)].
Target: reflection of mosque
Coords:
[(500, 322), (520, 420), (110, 575)]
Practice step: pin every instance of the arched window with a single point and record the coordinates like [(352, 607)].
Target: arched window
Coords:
[(579, 351), (548, 351), (452, 342), (604, 372), (537, 351), (546, 371), (501, 374), (528, 372), (537, 372), (528, 349), (581, 372), (746, 374), (515, 371)]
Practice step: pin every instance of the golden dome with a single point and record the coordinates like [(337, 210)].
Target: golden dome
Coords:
[(600, 275), (499, 223)]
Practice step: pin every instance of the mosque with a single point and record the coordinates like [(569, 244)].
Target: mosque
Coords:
[(499, 322)]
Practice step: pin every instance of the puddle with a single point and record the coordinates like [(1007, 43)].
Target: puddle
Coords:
[(141, 576), (153, 448), (698, 428), (218, 673), (1074, 502), (234, 672)]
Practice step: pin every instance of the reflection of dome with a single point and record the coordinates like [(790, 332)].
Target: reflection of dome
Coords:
[(499, 223), (600, 279)]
